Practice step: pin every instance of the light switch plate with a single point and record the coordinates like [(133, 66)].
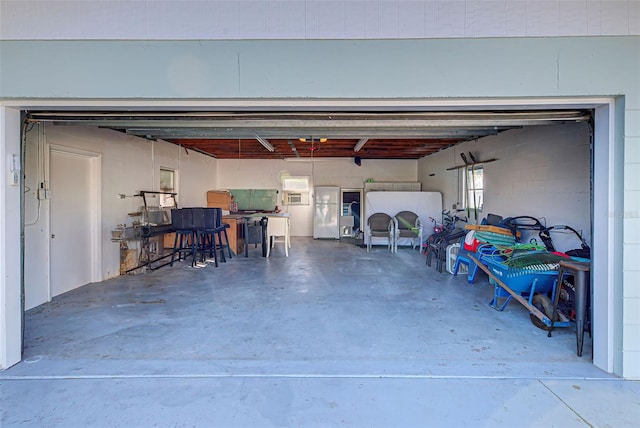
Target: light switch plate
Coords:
[(14, 178)]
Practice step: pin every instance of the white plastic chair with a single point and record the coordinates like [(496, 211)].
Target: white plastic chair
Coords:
[(278, 231)]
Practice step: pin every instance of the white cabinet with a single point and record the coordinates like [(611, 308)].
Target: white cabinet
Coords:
[(393, 186)]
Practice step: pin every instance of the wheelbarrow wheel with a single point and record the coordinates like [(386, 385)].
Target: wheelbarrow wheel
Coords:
[(544, 305)]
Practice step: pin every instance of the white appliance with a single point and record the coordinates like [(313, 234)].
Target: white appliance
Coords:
[(326, 212)]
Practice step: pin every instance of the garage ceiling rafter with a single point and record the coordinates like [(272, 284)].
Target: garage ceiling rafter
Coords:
[(388, 135)]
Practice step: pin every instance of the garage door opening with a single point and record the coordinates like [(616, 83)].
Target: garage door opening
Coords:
[(602, 169)]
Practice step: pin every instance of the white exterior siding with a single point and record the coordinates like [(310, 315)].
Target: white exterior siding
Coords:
[(314, 19)]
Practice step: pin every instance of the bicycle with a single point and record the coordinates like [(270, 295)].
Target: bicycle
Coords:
[(443, 235)]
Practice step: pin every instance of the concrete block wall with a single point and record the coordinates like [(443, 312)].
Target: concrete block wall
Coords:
[(540, 171), (129, 164)]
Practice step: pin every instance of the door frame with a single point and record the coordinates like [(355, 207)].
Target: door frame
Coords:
[(95, 208), (352, 190)]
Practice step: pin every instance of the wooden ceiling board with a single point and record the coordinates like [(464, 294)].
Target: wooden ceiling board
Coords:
[(373, 149)]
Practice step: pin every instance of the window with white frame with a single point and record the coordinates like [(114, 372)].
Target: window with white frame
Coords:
[(167, 184), (295, 190), (474, 183)]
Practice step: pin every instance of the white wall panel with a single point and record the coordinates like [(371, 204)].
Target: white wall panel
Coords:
[(632, 178), (573, 17), (286, 19), (431, 17), (121, 17), (631, 228), (451, 18), (388, 19), (631, 362), (633, 16), (411, 19), (516, 18), (534, 18), (632, 278), (473, 19), (174, 20), (630, 259), (252, 22), (355, 12), (549, 15), (632, 319), (632, 150), (632, 213), (229, 18), (371, 19), (632, 128), (314, 19), (593, 18), (614, 17), (492, 18), (311, 19), (631, 328), (331, 20)]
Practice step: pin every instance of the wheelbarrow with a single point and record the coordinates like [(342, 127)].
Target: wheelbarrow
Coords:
[(529, 286)]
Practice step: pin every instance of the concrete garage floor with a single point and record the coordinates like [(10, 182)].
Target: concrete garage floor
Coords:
[(331, 336)]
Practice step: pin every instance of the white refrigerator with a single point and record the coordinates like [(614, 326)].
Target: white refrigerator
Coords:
[(326, 212)]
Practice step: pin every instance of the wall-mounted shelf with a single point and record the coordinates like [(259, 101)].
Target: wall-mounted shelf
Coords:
[(471, 164), (392, 186)]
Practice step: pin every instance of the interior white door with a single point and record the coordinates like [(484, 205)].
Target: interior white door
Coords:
[(71, 218)]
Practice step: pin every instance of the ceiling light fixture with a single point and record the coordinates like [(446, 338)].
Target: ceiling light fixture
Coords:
[(312, 140), (360, 144), (267, 145)]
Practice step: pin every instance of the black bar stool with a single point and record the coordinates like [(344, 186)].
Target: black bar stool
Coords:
[(209, 242), (199, 233), (182, 223), (221, 229)]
